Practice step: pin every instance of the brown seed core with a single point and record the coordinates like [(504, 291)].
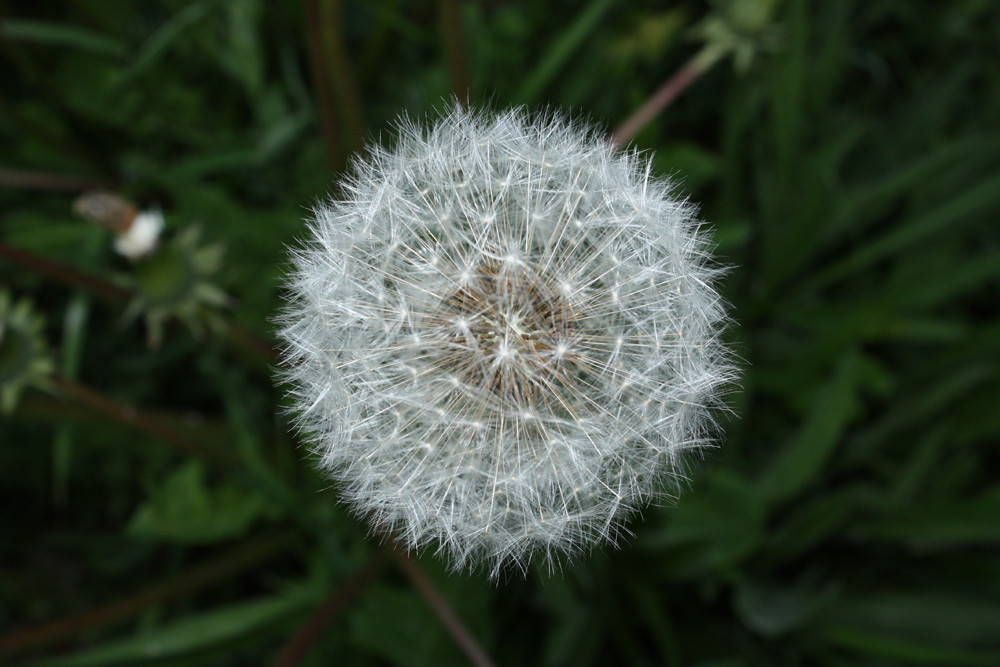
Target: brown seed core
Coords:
[(506, 332)]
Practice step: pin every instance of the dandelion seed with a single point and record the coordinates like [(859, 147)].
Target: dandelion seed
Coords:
[(519, 396)]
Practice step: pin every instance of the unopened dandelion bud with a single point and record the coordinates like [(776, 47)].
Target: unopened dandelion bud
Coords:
[(136, 232)]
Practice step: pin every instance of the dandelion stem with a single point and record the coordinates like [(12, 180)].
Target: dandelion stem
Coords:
[(341, 73), (449, 619), (453, 37), (252, 343), (690, 72), (220, 568), (310, 631), (64, 274), (109, 291), (157, 426), (40, 180), (321, 82)]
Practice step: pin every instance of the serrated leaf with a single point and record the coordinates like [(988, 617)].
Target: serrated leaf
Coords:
[(186, 509)]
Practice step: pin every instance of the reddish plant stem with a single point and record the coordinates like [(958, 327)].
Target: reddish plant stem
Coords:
[(38, 180), (65, 275), (453, 37), (321, 83), (659, 100), (252, 343), (158, 427), (298, 646), (449, 619), (220, 568), (38, 405), (76, 279), (341, 73)]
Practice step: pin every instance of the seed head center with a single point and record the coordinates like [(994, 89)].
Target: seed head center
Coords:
[(504, 334)]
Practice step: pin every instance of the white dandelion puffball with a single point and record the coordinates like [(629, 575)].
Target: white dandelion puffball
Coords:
[(502, 336)]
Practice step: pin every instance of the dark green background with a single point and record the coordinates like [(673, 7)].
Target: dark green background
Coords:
[(852, 178)]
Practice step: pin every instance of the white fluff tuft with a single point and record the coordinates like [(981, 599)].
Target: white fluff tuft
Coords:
[(503, 336)]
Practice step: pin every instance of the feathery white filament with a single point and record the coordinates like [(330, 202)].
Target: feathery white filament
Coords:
[(502, 336)]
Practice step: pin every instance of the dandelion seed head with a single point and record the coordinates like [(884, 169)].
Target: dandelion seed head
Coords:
[(502, 336)]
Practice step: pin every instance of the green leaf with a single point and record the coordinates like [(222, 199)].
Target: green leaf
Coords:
[(185, 509), (243, 56), (775, 609), (922, 403), (909, 651), (866, 203), (279, 135), (936, 524), (932, 281), (416, 635), (688, 163), (55, 34), (661, 629), (74, 332), (908, 479), (171, 31), (919, 627), (801, 459), (559, 53), (818, 518), (969, 205), (194, 633), (713, 527)]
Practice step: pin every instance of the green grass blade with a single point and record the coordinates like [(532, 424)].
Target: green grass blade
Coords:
[(168, 33), (966, 206), (803, 456), (69, 36), (953, 524), (865, 204), (561, 51), (919, 627)]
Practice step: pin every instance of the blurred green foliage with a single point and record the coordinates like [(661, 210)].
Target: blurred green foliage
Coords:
[(851, 172)]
